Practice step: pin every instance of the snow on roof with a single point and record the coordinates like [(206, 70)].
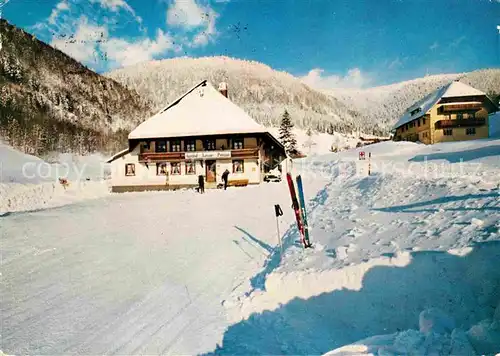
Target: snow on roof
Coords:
[(117, 155), (202, 110), (420, 108), (461, 89)]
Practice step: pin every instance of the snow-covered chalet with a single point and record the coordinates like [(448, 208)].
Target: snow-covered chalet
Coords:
[(455, 112), (200, 133)]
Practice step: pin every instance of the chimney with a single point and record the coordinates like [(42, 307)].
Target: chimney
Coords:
[(223, 88)]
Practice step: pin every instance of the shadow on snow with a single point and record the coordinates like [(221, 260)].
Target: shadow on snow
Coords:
[(390, 300), (262, 244), (460, 156), (290, 238), (443, 200)]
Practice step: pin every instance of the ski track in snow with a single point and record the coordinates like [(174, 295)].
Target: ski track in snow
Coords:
[(179, 272)]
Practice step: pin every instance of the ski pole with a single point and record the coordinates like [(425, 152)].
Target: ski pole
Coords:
[(369, 163), (278, 212)]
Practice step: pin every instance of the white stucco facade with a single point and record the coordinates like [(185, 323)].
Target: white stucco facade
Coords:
[(147, 174), (202, 133)]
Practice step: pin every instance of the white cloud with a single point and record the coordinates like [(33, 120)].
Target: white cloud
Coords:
[(122, 52), (434, 46), (60, 7), (208, 34), (83, 45), (116, 6), (457, 42), (191, 15), (395, 64), (92, 41), (187, 13), (92, 44), (353, 79)]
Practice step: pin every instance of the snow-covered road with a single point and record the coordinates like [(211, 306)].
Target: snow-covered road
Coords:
[(132, 273)]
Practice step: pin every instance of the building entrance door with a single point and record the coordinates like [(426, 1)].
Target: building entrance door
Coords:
[(210, 171)]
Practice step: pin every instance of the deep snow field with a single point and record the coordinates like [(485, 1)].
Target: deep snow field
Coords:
[(405, 261)]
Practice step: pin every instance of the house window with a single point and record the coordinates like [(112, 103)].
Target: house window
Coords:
[(407, 127), (237, 143), (238, 166), (161, 169), (190, 167), (130, 169), (145, 146), (418, 123), (460, 116), (190, 145), (210, 145), (175, 146), (175, 168), (161, 146), (423, 121), (448, 132), (471, 131)]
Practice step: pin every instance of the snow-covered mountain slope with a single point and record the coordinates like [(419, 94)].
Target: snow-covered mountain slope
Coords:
[(386, 104), (50, 102), (263, 92), (121, 275)]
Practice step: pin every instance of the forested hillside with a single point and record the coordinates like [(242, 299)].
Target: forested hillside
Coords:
[(50, 102)]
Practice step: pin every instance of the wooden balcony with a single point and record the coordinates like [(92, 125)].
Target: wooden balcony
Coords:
[(161, 156), (441, 124), (245, 153), (459, 107)]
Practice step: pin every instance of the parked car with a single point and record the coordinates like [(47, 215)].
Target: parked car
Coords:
[(272, 177)]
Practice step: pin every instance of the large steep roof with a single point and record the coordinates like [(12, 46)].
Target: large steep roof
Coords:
[(202, 110), (454, 89)]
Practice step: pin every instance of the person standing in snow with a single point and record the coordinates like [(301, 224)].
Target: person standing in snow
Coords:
[(201, 184), (225, 177)]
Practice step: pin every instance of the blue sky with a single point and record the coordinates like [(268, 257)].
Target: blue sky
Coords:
[(330, 43)]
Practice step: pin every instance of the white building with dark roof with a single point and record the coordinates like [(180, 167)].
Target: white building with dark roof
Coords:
[(200, 133)]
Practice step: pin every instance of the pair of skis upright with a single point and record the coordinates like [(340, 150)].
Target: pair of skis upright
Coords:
[(299, 210)]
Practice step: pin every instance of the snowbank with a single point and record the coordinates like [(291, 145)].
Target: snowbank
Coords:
[(22, 168), (420, 232), (17, 197), (30, 183), (437, 335), (179, 272)]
